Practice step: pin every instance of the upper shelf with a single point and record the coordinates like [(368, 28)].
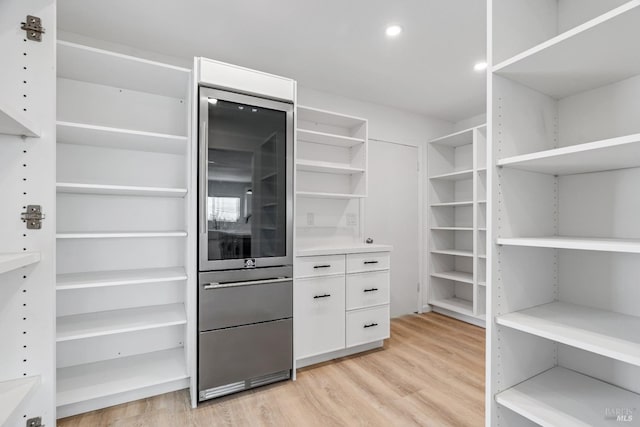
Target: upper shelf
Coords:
[(598, 52), (326, 167), (118, 190), (316, 115), (13, 122), (319, 195), (609, 154), (454, 176), (88, 64), (580, 243), (463, 137), (13, 261), (126, 139), (120, 235), (99, 279), (328, 138), (12, 393)]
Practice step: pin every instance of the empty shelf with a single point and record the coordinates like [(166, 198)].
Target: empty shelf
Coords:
[(562, 397), (126, 139), (90, 325), (12, 393), (315, 115), (458, 276), (609, 154), (452, 228), (120, 235), (464, 137), (88, 64), (455, 304), (451, 204), (12, 122), (328, 138), (118, 278), (326, 167), (9, 262), (101, 379), (582, 58), (455, 252), (455, 176), (580, 243), (119, 190), (318, 195), (598, 331)]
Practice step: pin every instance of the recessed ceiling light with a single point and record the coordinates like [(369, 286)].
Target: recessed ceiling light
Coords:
[(480, 66), (393, 30)]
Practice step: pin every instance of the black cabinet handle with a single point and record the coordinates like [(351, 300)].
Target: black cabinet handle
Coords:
[(322, 296), (371, 290), (371, 262), (370, 325), (322, 266)]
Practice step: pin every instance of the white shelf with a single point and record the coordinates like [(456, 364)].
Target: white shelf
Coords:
[(609, 154), (482, 283), (82, 326), (452, 228), (100, 279), (87, 64), (126, 139), (596, 53), (13, 393), (458, 276), (12, 122), (318, 195), (328, 138), (455, 252), (562, 397), (598, 331), (101, 379), (120, 235), (451, 204), (13, 261), (316, 115), (326, 167), (457, 139), (457, 305), (455, 176), (118, 190), (581, 243)]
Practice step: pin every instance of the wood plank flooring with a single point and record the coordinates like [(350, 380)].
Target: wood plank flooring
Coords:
[(430, 373)]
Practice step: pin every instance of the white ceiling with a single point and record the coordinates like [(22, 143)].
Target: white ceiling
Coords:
[(337, 46)]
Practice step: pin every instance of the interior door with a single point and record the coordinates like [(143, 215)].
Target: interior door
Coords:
[(392, 212)]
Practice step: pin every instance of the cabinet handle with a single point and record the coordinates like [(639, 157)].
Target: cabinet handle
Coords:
[(371, 262), (322, 296), (322, 266), (371, 290), (370, 325)]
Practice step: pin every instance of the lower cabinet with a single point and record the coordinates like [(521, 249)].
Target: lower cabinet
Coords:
[(341, 306)]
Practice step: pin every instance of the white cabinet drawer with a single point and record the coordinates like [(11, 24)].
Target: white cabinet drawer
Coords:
[(367, 289), (367, 325), (366, 262), (319, 265), (319, 315)]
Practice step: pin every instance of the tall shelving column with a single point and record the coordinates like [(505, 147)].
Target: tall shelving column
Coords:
[(564, 247), (27, 254), (123, 243), (455, 192)]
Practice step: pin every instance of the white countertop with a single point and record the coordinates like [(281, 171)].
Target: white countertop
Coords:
[(344, 249)]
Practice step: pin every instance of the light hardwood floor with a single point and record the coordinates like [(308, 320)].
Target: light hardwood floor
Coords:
[(430, 373)]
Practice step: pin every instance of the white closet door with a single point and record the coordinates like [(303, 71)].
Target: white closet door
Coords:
[(392, 217)]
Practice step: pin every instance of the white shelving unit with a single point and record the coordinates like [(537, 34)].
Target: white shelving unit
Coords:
[(564, 240), (123, 200), (456, 216)]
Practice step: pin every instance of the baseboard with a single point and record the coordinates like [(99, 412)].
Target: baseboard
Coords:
[(468, 319), (308, 361)]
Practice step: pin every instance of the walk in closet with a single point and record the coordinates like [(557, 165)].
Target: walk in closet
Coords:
[(564, 157)]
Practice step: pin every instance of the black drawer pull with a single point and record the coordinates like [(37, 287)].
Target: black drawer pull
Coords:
[(370, 325), (371, 290), (322, 266), (371, 262), (322, 296)]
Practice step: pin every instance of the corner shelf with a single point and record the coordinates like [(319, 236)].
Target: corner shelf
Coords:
[(608, 154), (454, 252), (13, 393), (562, 397), (581, 58), (13, 261), (118, 190), (13, 122), (326, 167), (457, 139), (580, 243), (120, 235), (100, 279), (328, 138), (454, 176), (97, 324), (126, 139), (598, 331), (318, 195), (457, 276)]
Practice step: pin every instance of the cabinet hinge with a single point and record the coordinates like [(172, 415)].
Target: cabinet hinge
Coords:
[(33, 217), (33, 27), (35, 422)]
